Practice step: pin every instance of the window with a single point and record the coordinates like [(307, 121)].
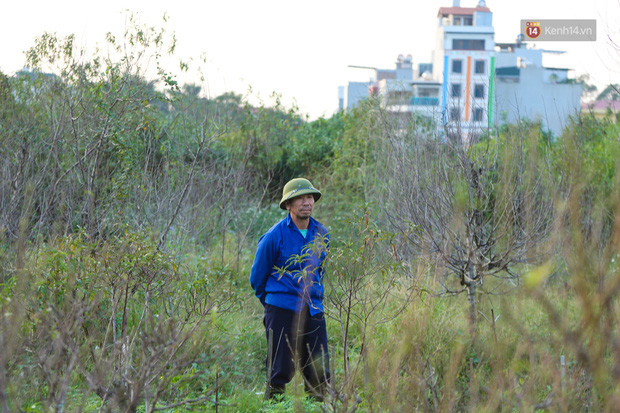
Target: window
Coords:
[(455, 114), (478, 114), (462, 21), (457, 66), (455, 91), (468, 44), (479, 91), (426, 92), (479, 67)]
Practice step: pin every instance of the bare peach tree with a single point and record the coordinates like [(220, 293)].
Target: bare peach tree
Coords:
[(482, 206), (367, 284)]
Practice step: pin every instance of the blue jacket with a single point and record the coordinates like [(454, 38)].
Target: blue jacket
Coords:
[(288, 269)]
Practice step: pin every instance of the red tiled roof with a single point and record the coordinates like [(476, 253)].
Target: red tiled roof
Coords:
[(461, 11)]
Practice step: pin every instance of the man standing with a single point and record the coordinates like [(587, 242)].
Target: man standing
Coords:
[(287, 277)]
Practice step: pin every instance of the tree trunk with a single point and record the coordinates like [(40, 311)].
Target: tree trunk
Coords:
[(471, 296)]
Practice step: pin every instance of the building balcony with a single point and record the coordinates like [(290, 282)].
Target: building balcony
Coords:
[(482, 30), (424, 101)]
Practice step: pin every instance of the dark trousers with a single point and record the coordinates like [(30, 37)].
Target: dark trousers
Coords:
[(299, 340)]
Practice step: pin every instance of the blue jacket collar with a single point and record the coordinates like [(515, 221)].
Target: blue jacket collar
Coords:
[(291, 224)]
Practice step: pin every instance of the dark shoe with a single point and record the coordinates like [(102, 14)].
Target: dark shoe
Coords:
[(316, 393), (275, 392), (319, 398)]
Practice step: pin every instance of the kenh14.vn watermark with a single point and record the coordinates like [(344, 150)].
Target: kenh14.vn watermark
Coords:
[(559, 30)]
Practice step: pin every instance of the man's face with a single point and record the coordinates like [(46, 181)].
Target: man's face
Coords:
[(301, 206)]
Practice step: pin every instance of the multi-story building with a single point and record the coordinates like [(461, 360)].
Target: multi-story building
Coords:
[(474, 83), (464, 53)]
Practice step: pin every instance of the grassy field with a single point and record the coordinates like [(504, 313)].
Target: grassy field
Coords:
[(192, 338)]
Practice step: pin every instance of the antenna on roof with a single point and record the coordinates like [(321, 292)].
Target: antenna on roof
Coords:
[(520, 38)]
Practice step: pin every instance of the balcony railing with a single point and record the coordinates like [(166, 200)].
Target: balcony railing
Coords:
[(424, 101)]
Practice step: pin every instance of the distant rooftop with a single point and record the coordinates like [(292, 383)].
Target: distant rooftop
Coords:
[(513, 45), (461, 11), (510, 47)]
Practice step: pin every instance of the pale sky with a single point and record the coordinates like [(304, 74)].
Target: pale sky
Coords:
[(302, 50)]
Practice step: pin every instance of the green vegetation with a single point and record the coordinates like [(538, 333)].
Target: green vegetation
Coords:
[(461, 277)]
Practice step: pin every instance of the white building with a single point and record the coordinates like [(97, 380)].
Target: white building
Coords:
[(474, 83), (525, 89)]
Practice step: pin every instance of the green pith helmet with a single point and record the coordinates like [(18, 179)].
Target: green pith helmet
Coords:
[(296, 187)]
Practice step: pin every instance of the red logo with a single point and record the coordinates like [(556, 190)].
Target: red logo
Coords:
[(532, 29)]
